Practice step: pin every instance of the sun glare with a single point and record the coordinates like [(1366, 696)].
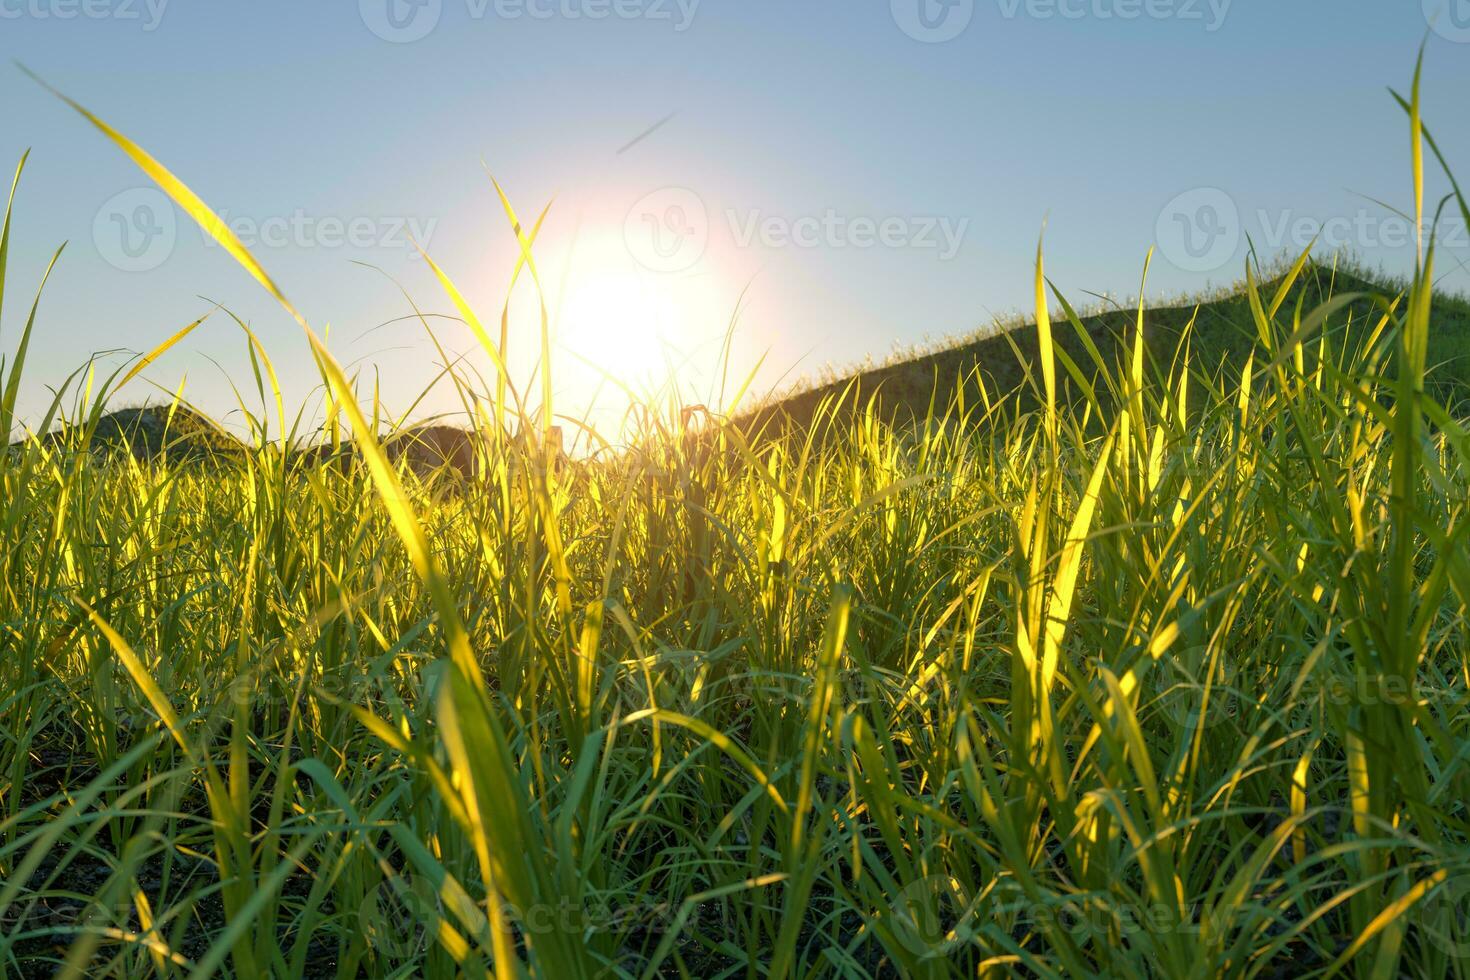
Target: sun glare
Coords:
[(622, 325), (623, 333)]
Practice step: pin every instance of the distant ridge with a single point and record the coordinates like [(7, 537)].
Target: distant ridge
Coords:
[(1223, 336), (178, 434), (153, 433)]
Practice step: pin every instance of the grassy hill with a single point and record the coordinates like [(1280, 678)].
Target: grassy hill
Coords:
[(1222, 335)]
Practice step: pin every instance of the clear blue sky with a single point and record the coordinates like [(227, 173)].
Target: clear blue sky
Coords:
[(876, 173)]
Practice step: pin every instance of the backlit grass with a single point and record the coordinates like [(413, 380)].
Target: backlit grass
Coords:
[(1148, 665)]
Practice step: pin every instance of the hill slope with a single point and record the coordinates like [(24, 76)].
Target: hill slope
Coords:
[(1223, 334)]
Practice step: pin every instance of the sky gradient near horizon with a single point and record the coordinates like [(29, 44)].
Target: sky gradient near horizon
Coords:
[(868, 176)]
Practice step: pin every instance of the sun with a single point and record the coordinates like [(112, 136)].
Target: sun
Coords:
[(623, 326), (624, 333)]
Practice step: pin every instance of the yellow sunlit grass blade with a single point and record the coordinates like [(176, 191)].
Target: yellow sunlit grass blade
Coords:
[(160, 350), (5, 225), (213, 226), (1069, 564), (1045, 348)]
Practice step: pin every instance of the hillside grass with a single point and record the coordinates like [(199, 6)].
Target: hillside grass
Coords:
[(1222, 329), (1160, 674)]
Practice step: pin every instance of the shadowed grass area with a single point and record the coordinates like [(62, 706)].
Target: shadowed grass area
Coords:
[(1148, 658)]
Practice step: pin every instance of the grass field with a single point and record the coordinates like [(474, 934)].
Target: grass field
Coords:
[(1147, 658)]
